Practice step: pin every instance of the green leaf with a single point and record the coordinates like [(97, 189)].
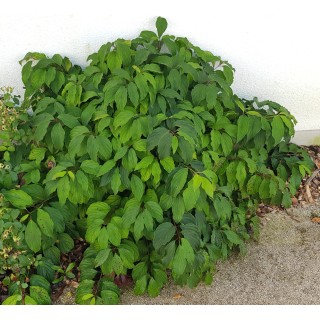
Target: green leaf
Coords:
[(222, 207), (161, 25), (162, 138), (232, 237), (131, 210), (178, 181), (106, 167), (155, 210), (38, 78), (141, 56), (241, 173), (18, 198), (190, 197), (114, 234), (40, 281), (45, 223), (178, 209), (277, 129), (114, 60), (154, 288), (145, 162), (122, 118), (140, 286), (92, 148), (170, 93), (69, 120), (243, 127), (65, 242), (33, 236), (133, 93), (183, 256), (167, 163), (117, 264), (211, 95), (226, 143), (104, 147), (57, 136), (40, 295), (29, 301), (116, 181), (121, 97), (12, 300), (90, 166), (137, 187), (37, 154), (63, 189), (102, 256), (163, 234), (199, 93)]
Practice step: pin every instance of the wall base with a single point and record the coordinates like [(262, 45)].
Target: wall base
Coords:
[(307, 137)]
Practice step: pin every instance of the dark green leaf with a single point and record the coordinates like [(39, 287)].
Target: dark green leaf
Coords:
[(163, 234), (161, 25)]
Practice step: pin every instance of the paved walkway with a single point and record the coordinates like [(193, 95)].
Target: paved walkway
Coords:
[(283, 268)]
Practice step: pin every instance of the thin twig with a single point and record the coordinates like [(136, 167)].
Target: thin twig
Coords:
[(308, 182)]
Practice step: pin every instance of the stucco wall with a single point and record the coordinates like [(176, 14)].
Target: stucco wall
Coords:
[(273, 45)]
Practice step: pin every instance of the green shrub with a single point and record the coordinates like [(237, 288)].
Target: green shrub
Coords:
[(149, 155)]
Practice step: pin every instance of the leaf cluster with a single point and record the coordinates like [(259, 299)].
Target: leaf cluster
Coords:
[(149, 155)]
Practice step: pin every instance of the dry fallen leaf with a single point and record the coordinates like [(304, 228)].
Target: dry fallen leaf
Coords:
[(177, 296), (316, 219)]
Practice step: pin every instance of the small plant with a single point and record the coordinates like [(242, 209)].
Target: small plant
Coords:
[(149, 155)]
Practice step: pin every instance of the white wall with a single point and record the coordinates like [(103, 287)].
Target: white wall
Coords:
[(273, 44)]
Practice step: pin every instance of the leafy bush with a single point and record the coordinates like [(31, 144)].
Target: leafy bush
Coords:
[(148, 155)]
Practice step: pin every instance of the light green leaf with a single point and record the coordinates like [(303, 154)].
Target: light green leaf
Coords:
[(155, 210), (40, 295), (63, 189), (178, 181), (116, 181), (178, 209), (243, 127), (33, 236), (154, 287), (131, 210), (140, 286), (226, 143), (114, 60), (232, 237), (18, 198), (45, 222), (167, 163), (38, 78), (122, 118), (90, 166), (241, 173), (12, 300), (190, 197)]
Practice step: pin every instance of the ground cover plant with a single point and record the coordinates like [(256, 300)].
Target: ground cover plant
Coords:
[(148, 155)]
